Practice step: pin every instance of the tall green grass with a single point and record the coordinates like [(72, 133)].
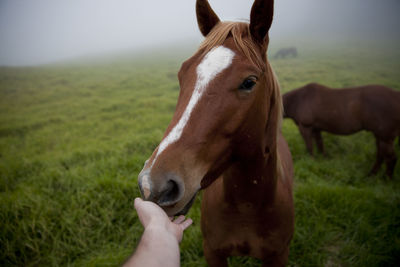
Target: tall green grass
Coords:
[(74, 137)]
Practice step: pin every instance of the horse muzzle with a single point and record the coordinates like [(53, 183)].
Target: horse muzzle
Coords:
[(164, 191)]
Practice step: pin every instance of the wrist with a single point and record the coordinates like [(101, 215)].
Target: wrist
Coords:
[(157, 247), (159, 233)]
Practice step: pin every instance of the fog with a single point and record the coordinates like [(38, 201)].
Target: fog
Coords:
[(42, 31)]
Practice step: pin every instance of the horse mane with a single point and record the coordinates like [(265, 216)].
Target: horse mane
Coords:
[(240, 32), (273, 83)]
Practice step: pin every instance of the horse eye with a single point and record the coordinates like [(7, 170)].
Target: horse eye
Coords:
[(248, 84)]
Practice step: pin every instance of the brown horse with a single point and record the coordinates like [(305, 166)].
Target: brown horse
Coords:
[(375, 108), (225, 138)]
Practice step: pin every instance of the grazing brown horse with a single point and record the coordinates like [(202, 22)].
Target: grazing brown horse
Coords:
[(225, 138), (375, 108)]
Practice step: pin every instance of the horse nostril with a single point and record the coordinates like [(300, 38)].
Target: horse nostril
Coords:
[(171, 194)]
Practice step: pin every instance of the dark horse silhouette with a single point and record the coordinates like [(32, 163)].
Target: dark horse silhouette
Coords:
[(284, 52), (375, 108)]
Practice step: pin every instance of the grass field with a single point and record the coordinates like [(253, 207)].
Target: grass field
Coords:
[(74, 136)]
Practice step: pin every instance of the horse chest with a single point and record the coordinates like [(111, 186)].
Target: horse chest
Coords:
[(239, 238), (239, 231)]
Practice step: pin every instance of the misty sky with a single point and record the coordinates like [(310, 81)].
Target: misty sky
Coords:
[(41, 31)]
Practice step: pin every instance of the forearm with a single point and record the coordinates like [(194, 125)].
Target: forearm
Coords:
[(156, 248)]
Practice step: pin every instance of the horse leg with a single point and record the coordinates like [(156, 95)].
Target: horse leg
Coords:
[(278, 260), (306, 132), (213, 258), (390, 157), (320, 142), (379, 157)]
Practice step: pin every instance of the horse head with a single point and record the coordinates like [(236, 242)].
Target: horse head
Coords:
[(228, 110)]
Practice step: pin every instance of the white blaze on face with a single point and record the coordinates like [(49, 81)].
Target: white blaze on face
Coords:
[(146, 185), (213, 63)]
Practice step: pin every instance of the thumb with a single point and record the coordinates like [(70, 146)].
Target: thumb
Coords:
[(138, 204), (139, 208)]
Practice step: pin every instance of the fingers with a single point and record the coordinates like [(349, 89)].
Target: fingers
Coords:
[(186, 224), (150, 212), (179, 220), (182, 222)]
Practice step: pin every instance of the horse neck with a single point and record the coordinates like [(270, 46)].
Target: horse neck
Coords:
[(290, 104), (253, 177), (251, 182)]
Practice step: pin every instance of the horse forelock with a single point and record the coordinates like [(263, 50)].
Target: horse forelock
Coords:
[(240, 33)]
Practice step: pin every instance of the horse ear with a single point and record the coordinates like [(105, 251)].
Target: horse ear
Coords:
[(261, 19), (206, 17)]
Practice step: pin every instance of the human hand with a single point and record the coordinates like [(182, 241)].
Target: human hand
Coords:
[(153, 217)]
